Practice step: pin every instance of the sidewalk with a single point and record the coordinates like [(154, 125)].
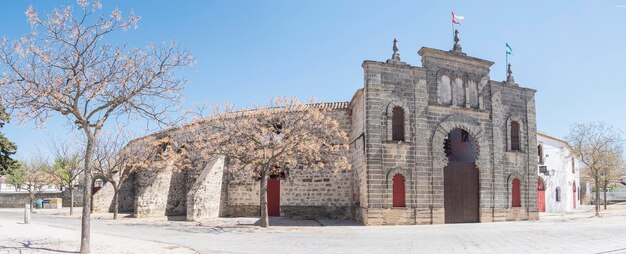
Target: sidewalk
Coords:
[(16, 237)]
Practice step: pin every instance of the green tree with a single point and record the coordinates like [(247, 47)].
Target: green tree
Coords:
[(7, 148), (17, 175), (65, 172)]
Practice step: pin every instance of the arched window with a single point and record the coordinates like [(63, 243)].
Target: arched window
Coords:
[(397, 123), (515, 136), (557, 194), (540, 153), (445, 90), (516, 200), (398, 191)]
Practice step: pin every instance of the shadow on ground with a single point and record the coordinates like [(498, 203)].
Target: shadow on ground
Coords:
[(289, 222), (22, 246)]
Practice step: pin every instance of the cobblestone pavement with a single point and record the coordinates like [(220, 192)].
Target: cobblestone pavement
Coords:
[(576, 232)]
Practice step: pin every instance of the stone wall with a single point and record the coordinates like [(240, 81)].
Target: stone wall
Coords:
[(18, 199), (204, 198), (304, 193), (164, 191), (102, 201)]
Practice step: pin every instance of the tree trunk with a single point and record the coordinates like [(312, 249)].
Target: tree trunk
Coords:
[(115, 199), (86, 223), (71, 189), (597, 203), (605, 197), (31, 197), (265, 219)]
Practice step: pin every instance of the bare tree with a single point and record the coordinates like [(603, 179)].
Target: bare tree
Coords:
[(67, 167), (613, 170), (267, 140), (111, 162), (65, 67), (34, 175), (596, 144)]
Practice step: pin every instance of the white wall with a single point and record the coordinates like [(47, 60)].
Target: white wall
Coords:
[(557, 158)]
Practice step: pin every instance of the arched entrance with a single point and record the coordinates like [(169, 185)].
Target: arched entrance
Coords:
[(461, 199), (574, 194), (541, 195)]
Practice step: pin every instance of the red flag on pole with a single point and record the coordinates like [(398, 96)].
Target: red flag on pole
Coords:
[(456, 19)]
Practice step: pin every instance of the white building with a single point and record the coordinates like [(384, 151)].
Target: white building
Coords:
[(559, 175)]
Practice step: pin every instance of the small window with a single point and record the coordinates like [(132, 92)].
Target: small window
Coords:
[(515, 139), (573, 166), (397, 123), (557, 194), (540, 153), (516, 200), (398, 191)]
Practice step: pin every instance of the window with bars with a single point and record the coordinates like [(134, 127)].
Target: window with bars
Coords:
[(515, 136), (397, 123)]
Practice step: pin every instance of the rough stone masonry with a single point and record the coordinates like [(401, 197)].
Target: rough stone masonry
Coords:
[(440, 143)]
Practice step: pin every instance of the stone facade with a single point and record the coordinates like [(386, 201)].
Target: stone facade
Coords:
[(448, 92)]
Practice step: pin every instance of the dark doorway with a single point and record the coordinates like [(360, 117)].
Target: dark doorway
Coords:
[(461, 200), (273, 196)]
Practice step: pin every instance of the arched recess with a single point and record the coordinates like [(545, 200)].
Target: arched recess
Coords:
[(521, 131), (390, 186), (509, 190), (440, 160), (389, 116)]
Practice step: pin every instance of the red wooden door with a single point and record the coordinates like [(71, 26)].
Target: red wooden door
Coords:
[(460, 192), (541, 196), (574, 194), (273, 197), (398, 191), (516, 200)]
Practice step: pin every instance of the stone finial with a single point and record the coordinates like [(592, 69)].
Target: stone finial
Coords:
[(509, 75), (457, 46), (395, 58), (395, 55)]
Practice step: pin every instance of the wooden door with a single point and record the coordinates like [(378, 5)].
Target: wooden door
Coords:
[(516, 193), (398, 191), (461, 192), (574, 194), (273, 196), (541, 196)]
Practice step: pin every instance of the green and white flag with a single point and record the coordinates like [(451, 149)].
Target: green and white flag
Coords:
[(509, 50)]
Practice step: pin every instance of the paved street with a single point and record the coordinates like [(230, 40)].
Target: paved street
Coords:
[(555, 233)]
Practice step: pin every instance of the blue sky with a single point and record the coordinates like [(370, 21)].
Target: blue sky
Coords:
[(571, 52)]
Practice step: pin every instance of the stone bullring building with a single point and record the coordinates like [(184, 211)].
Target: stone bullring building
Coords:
[(430, 144)]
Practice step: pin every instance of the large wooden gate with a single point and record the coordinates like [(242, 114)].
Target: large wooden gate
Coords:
[(541, 196), (461, 192), (273, 197)]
